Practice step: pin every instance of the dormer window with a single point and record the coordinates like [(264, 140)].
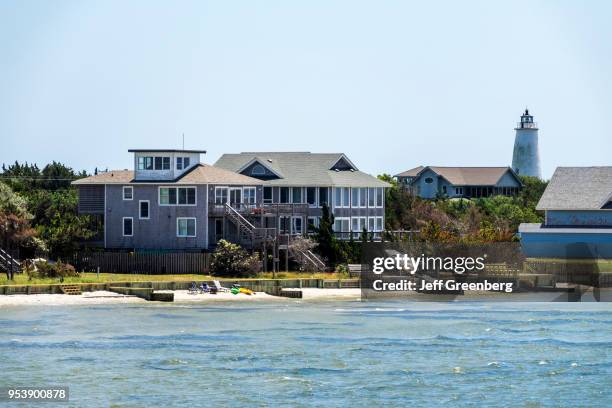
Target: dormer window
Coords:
[(145, 163), (182, 163), (258, 170), (162, 163)]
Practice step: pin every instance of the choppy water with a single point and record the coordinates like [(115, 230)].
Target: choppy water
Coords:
[(321, 354)]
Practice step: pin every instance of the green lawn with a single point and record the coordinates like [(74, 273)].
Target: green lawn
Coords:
[(22, 279)]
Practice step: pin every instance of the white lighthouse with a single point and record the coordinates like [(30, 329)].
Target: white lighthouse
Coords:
[(526, 157)]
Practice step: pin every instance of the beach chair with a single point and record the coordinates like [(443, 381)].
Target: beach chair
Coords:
[(218, 286), (193, 289)]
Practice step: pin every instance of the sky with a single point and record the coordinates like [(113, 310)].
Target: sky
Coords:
[(393, 84)]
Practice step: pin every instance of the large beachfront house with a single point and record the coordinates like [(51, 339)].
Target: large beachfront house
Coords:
[(171, 201), (309, 180), (435, 181), (578, 216)]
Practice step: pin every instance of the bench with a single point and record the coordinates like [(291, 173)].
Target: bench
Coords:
[(355, 270)]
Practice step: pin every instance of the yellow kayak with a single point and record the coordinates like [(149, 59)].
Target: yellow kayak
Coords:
[(246, 291)]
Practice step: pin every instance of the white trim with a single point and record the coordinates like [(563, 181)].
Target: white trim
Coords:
[(229, 195), (226, 188), (177, 196), (343, 156), (123, 193), (195, 227), (316, 223), (123, 226), (244, 189), (293, 218), (140, 217), (258, 160)]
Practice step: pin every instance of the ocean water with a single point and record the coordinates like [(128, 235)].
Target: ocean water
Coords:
[(313, 354)]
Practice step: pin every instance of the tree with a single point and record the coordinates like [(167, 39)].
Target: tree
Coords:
[(326, 240), (15, 229)]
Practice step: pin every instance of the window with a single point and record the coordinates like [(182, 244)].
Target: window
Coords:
[(459, 190), (128, 226), (355, 197), (186, 196), (218, 229), (371, 224), (371, 197), (162, 163), (311, 196), (145, 163), (379, 224), (379, 196), (128, 193), (428, 180), (284, 195), (143, 209), (258, 170), (323, 196), (181, 163), (267, 191), (313, 224), (249, 195), (296, 195), (177, 196), (220, 195), (185, 227), (363, 197), (283, 224), (235, 196), (342, 197), (297, 225), (342, 227)]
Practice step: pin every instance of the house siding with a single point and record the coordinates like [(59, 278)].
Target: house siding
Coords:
[(594, 218), (567, 245), (159, 231)]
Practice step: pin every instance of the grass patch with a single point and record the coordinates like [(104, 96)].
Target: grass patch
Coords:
[(86, 277)]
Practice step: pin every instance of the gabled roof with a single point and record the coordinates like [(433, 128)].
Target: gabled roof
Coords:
[(465, 176), (266, 163), (199, 174), (578, 188), (410, 173), (302, 169)]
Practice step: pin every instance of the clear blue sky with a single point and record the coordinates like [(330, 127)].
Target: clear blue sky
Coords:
[(393, 84)]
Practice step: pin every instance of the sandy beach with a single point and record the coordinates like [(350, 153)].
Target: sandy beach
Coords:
[(180, 296)]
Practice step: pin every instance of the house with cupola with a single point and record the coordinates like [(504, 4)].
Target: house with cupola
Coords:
[(171, 201)]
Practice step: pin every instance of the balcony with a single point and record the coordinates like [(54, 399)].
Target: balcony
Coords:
[(259, 209), (526, 125)]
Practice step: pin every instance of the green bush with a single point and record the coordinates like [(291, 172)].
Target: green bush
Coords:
[(231, 260), (44, 269)]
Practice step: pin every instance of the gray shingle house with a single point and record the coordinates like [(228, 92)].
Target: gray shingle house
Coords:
[(434, 181), (308, 180), (578, 216), (171, 201), (167, 201)]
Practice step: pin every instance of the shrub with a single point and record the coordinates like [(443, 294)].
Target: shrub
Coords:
[(44, 269), (231, 260)]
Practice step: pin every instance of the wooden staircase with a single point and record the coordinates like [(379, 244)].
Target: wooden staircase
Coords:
[(8, 263), (308, 260), (246, 230), (71, 289)]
